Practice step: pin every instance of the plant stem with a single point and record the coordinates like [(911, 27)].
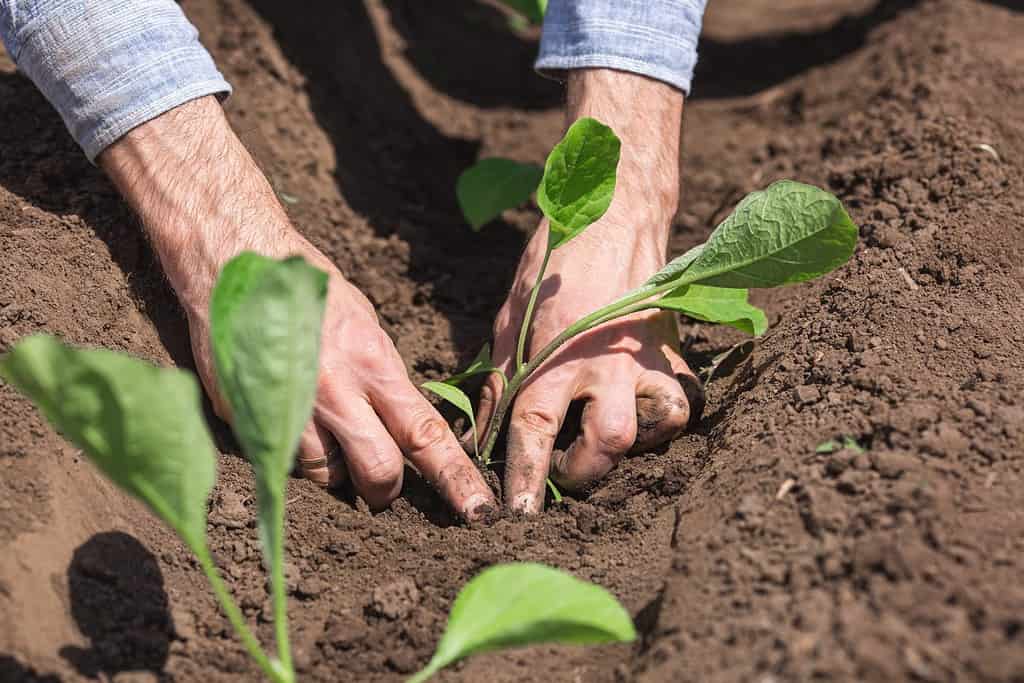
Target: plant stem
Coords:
[(234, 615), (528, 316), (631, 303), (277, 588)]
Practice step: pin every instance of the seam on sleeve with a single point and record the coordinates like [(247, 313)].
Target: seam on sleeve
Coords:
[(114, 129), (552, 67)]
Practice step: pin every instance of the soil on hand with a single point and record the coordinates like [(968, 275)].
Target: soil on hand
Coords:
[(743, 553)]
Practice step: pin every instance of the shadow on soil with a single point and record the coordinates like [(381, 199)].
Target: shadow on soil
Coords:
[(746, 67), (41, 164), (13, 671), (446, 47), (118, 602), (394, 166)]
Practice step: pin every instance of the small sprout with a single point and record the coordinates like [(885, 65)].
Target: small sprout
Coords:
[(515, 605), (555, 493), (457, 397), (833, 445)]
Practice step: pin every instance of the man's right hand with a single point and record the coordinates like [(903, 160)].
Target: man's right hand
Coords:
[(203, 200)]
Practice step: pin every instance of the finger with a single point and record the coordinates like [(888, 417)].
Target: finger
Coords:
[(693, 388), (662, 409), (373, 461), (425, 438), (490, 394), (609, 429), (537, 415), (320, 458)]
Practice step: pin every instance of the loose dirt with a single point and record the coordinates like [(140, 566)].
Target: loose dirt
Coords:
[(743, 553)]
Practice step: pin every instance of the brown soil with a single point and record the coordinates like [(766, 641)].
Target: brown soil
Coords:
[(744, 555)]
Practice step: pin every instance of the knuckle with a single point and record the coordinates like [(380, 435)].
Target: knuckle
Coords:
[(539, 421), (677, 414), (616, 434), (426, 430), (502, 321), (381, 471), (375, 348)]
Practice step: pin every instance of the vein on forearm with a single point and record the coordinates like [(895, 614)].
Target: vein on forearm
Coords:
[(198, 192)]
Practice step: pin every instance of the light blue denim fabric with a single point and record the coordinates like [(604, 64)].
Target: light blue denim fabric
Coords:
[(108, 66), (656, 38)]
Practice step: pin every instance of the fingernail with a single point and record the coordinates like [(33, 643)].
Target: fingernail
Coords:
[(477, 507), (526, 503)]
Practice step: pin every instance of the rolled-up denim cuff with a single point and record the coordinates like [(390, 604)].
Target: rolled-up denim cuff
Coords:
[(108, 67), (654, 38)]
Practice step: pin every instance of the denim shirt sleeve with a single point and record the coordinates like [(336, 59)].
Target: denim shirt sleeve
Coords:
[(108, 66), (655, 38)]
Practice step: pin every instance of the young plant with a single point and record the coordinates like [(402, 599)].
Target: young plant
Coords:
[(492, 185), (143, 425), (514, 605), (786, 233)]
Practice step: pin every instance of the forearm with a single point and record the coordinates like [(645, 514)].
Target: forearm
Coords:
[(200, 195), (646, 115)]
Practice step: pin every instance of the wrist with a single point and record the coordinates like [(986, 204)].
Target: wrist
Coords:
[(646, 114)]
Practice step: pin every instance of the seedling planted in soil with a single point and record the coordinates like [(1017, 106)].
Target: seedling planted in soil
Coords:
[(787, 233), (514, 605), (143, 427)]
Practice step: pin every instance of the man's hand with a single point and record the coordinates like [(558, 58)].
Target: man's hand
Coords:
[(614, 365), (203, 200)]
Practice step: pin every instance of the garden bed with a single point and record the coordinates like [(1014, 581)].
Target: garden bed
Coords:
[(740, 550)]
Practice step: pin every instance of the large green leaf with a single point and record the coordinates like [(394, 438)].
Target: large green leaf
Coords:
[(513, 605), (675, 268), (141, 425), (579, 179), (265, 320), (457, 397), (490, 186), (716, 305), (533, 10), (786, 233)]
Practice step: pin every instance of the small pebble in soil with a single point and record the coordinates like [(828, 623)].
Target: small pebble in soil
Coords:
[(891, 464), (806, 394), (396, 599)]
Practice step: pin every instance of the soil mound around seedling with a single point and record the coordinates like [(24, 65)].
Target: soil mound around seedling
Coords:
[(743, 552)]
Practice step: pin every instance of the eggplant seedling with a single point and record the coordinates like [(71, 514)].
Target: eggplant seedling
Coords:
[(520, 604), (787, 233), (143, 425)]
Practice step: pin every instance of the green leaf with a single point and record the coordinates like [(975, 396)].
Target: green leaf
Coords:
[(675, 268), (480, 365), (490, 186), (579, 179), (831, 446), (457, 398), (265, 320), (514, 605), (533, 10), (786, 233), (716, 305), (141, 425)]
